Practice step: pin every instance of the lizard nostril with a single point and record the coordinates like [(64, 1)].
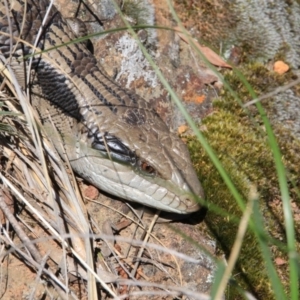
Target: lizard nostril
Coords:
[(190, 202), (194, 207)]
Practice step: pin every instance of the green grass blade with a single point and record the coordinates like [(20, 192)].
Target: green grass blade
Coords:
[(187, 117), (287, 210), (276, 284)]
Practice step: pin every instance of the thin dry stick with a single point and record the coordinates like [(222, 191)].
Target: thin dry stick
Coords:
[(81, 213), (107, 229), (19, 231), (59, 237), (170, 290), (237, 243), (38, 275), (273, 93), (142, 227), (138, 243), (145, 242), (55, 280), (37, 38), (37, 261)]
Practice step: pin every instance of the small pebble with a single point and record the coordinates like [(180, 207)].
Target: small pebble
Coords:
[(91, 192)]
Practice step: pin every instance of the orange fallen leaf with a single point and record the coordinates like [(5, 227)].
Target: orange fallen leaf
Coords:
[(200, 99), (280, 67), (194, 98), (210, 55)]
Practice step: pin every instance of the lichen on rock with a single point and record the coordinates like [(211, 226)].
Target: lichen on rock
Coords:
[(268, 27)]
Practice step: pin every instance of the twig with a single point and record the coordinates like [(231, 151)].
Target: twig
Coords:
[(171, 290), (145, 242), (273, 93), (38, 275), (19, 231), (37, 260)]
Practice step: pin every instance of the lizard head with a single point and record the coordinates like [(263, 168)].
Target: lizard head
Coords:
[(142, 162)]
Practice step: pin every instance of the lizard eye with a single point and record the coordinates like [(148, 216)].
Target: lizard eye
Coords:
[(147, 168)]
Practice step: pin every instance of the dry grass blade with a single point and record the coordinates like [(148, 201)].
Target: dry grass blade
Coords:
[(47, 186), (253, 196), (51, 197), (144, 243), (170, 290), (54, 222)]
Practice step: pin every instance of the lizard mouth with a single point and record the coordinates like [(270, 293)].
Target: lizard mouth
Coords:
[(123, 181)]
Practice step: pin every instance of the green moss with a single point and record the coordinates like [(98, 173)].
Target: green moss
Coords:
[(241, 153), (240, 143)]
